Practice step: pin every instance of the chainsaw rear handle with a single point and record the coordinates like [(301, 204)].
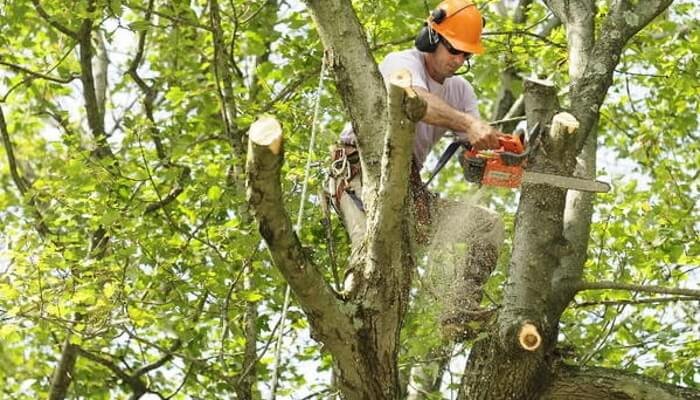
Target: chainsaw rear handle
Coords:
[(512, 150)]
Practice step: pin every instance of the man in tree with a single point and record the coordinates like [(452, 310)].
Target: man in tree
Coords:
[(451, 35)]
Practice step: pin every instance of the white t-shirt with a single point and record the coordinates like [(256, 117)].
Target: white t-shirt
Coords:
[(455, 91)]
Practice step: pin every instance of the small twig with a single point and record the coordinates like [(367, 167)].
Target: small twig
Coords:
[(53, 22), (254, 13), (173, 18), (642, 74), (39, 74), (526, 33), (650, 300), (637, 288)]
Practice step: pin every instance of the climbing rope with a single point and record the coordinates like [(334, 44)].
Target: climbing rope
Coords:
[(298, 226)]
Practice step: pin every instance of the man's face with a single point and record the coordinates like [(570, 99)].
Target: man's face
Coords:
[(445, 61)]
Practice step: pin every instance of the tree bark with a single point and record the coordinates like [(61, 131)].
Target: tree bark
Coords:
[(610, 384)]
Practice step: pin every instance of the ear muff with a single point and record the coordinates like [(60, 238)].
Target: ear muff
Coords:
[(427, 39)]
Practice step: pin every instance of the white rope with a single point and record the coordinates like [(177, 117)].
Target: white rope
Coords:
[(297, 227)]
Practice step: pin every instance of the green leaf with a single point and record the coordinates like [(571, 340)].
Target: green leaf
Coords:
[(214, 193)]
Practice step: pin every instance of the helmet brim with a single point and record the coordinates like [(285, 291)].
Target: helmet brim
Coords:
[(474, 48)]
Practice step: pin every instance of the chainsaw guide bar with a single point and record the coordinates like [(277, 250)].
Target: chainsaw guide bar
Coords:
[(566, 182)]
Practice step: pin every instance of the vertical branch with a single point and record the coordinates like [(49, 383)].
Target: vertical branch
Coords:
[(245, 385), (20, 182), (358, 81), (94, 116), (101, 69), (63, 374), (224, 83), (149, 91), (538, 232)]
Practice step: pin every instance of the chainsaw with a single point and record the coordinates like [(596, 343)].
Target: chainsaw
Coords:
[(506, 166)]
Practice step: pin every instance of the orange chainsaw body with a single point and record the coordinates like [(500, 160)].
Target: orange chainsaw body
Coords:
[(502, 167)]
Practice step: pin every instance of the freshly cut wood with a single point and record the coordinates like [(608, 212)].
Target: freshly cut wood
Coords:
[(401, 78), (266, 131), (529, 338), (564, 123)]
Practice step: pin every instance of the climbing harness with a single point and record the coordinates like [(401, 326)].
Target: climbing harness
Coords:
[(345, 166)]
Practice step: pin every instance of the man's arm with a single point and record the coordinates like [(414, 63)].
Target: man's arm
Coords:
[(480, 134)]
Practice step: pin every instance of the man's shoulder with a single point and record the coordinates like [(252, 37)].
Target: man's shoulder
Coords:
[(406, 53), (403, 56), (411, 59)]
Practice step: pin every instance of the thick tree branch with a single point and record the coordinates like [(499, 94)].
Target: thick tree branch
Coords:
[(611, 384), (264, 194), (637, 288), (539, 223), (588, 92), (405, 108)]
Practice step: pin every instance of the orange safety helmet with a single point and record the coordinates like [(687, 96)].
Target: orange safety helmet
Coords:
[(460, 23)]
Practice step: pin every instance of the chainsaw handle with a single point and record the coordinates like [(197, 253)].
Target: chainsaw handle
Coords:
[(510, 158)]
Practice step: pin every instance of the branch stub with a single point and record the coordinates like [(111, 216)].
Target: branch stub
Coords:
[(266, 131), (529, 338)]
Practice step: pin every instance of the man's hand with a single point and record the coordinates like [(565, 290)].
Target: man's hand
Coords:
[(482, 136)]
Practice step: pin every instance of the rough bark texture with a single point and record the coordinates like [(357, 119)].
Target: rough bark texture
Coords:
[(610, 384)]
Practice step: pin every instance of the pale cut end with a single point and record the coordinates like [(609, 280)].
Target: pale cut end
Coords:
[(529, 338), (565, 122), (401, 78), (266, 131)]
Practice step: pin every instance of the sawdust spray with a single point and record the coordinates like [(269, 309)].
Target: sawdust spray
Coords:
[(457, 226)]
